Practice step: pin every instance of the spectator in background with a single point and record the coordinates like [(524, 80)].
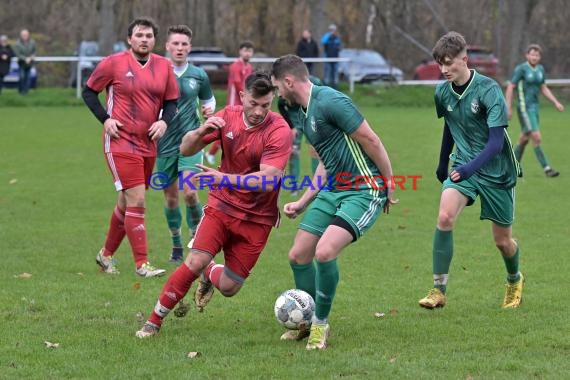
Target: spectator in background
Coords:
[(332, 46), (239, 70), (6, 54), (25, 50), (307, 47)]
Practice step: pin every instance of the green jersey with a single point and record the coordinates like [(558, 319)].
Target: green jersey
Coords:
[(528, 81), (327, 123), (194, 86), (469, 117)]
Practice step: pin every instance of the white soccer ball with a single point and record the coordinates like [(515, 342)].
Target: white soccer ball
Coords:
[(294, 307)]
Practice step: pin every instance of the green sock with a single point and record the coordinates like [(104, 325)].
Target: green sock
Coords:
[(304, 275), (327, 280), (512, 265), (295, 169), (174, 220), (540, 156), (193, 215), (442, 254), (314, 164), (519, 150)]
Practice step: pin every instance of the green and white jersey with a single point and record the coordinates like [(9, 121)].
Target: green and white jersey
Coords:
[(327, 123), (469, 117), (194, 86), (528, 81)]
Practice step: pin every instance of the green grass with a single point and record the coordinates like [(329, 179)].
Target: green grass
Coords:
[(56, 197)]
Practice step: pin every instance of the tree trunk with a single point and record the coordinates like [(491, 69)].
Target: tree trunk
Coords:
[(107, 27)]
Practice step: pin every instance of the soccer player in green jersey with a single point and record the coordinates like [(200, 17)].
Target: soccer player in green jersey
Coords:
[(475, 121), (194, 89), (359, 170), (528, 78), (291, 113)]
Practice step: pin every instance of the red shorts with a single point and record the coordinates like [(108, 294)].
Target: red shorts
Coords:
[(242, 241), (129, 170)]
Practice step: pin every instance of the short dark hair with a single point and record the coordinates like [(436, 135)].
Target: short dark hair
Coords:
[(247, 45), (289, 64), (531, 47), (179, 29), (142, 21), (449, 46), (259, 84)]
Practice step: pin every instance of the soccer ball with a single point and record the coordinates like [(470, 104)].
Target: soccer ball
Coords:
[(293, 308)]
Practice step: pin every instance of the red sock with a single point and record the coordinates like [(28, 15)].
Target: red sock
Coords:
[(136, 233), (116, 232), (215, 273), (173, 291)]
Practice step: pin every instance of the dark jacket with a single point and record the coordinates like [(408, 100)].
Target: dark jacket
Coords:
[(5, 63), (332, 45), (307, 48)]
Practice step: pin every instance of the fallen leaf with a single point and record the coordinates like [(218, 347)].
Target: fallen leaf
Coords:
[(379, 315), (400, 227), (51, 345), (140, 317), (136, 285), (107, 304), (394, 311), (13, 181), (393, 360), (24, 275), (80, 274), (193, 354)]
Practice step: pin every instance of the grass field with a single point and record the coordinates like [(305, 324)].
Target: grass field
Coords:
[(56, 197)]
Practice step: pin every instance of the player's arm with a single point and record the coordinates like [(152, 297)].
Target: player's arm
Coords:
[(509, 98), (194, 141), (91, 99), (550, 96), (444, 152), (493, 147), (266, 179), (372, 145)]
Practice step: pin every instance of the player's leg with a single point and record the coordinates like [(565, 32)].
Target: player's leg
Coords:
[(497, 205), (169, 166), (137, 170), (187, 166), (536, 139), (453, 200)]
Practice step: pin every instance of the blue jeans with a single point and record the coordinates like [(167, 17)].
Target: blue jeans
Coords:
[(331, 74), (25, 80)]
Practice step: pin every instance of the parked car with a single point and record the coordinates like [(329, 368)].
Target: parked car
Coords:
[(478, 58), (89, 49), (367, 66), (12, 79), (216, 69)]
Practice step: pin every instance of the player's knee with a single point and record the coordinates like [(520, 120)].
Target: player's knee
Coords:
[(191, 197), (445, 220), (505, 244), (299, 256), (325, 252), (229, 289)]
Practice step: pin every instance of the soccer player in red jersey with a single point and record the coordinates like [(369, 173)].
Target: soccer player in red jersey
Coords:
[(238, 71), (242, 204), (138, 84)]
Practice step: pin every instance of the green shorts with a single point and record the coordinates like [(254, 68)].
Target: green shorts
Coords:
[(497, 205), (528, 119), (358, 208), (173, 165)]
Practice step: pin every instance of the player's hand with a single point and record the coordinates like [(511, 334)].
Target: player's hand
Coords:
[(208, 176), (212, 123), (509, 113), (391, 200), (559, 106), (157, 130), (455, 176), (293, 209), (112, 127), (207, 112)]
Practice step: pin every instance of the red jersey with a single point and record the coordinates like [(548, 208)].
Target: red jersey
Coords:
[(135, 94), (244, 150), (239, 70)]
